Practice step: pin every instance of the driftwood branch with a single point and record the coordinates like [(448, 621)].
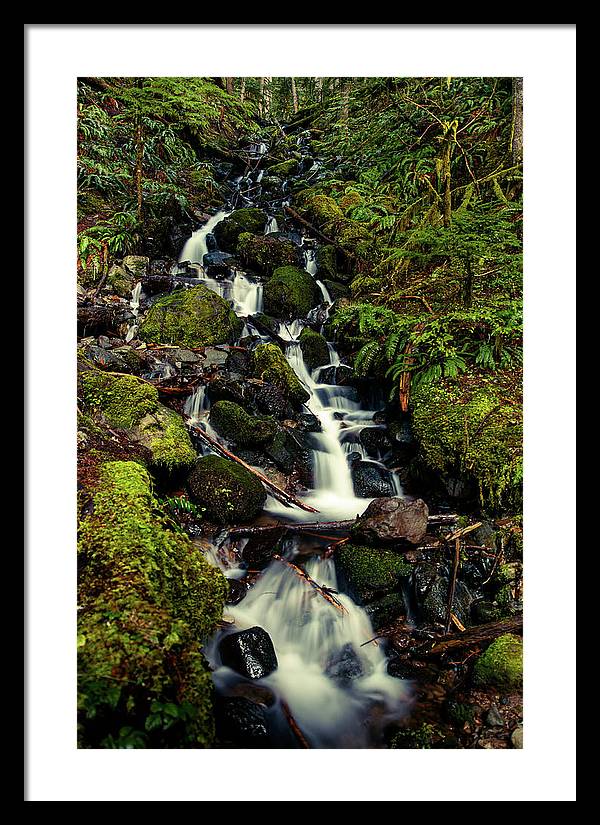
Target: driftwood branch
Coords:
[(286, 498), (473, 637), (325, 592)]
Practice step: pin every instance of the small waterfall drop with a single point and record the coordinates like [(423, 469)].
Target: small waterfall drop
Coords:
[(272, 226), (195, 247)]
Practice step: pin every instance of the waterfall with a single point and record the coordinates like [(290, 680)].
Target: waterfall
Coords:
[(195, 247), (135, 309), (309, 636), (310, 264), (272, 226)]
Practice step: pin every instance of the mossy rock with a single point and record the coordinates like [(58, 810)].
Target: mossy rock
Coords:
[(501, 665), (264, 253), (367, 572), (268, 321), (314, 348), (147, 601), (164, 433), (386, 610), (191, 318), (323, 210), (290, 293), (128, 403), (234, 423), (336, 290), (469, 436), (119, 281), (229, 229), (284, 169), (326, 259), (269, 364), (229, 492)]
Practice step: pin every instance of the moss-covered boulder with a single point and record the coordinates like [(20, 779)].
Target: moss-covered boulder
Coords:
[(472, 438), (290, 293), (191, 317), (368, 573), (229, 230), (323, 210), (128, 403), (234, 423), (501, 665), (147, 599), (314, 348), (326, 259), (336, 289), (227, 491), (269, 364), (264, 253), (285, 168), (119, 281)]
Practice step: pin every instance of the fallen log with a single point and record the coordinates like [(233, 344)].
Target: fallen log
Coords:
[(323, 591), (285, 498), (299, 527), (304, 222), (452, 585), (294, 725), (472, 637)]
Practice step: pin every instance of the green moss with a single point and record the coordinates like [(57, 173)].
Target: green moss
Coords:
[(336, 290), (269, 364), (124, 400), (501, 665), (165, 434), (229, 230), (290, 293), (233, 422), (285, 168), (421, 738), (228, 491), (324, 210), (314, 348), (367, 570), (147, 600), (326, 258), (471, 433), (191, 317), (264, 253), (119, 281)]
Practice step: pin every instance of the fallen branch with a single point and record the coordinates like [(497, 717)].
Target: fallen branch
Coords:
[(346, 524), (323, 591), (414, 298), (472, 637), (294, 725), (452, 585), (286, 498)]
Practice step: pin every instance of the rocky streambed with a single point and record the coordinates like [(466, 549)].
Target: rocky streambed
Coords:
[(355, 614)]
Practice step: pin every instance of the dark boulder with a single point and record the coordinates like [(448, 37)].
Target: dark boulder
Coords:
[(434, 606), (241, 723), (249, 652), (260, 549), (229, 492), (375, 440), (386, 610), (344, 666), (391, 520), (236, 592), (371, 480)]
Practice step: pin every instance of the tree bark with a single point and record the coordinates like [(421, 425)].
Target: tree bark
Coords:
[(473, 637), (319, 85), (229, 85), (243, 90), (294, 95), (516, 147)]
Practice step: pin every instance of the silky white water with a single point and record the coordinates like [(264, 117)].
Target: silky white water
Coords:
[(195, 247), (308, 633)]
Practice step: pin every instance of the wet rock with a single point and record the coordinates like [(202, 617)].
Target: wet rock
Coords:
[(403, 442), (340, 375), (240, 722), (136, 265), (249, 652), (260, 549), (234, 423), (483, 612), (229, 492), (222, 388), (308, 423), (177, 235), (264, 253), (270, 399), (269, 365), (501, 664), (222, 170), (314, 348), (375, 440), (236, 591), (485, 536), (259, 694), (435, 605), (228, 230), (386, 610), (371, 480), (392, 519), (344, 666), (288, 452), (218, 265), (336, 290)]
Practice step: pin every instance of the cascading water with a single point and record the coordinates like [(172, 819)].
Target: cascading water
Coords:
[(318, 646), (136, 293), (311, 637)]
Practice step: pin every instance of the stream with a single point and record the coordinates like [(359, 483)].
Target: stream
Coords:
[(331, 674)]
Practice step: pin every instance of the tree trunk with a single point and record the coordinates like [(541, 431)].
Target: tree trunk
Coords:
[(261, 94), (294, 95), (319, 84), (139, 158), (516, 147), (243, 90), (229, 85), (447, 179), (268, 94)]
